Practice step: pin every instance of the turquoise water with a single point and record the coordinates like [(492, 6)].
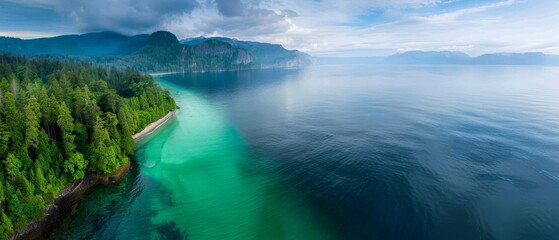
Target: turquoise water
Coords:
[(344, 152), (195, 180)]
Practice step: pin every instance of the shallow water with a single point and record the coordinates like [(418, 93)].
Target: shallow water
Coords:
[(347, 152)]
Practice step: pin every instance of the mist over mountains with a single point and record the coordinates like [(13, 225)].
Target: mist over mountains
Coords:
[(451, 58), (162, 52)]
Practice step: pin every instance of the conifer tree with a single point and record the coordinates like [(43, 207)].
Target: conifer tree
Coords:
[(32, 117)]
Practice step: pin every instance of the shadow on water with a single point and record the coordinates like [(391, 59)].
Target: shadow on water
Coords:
[(231, 81)]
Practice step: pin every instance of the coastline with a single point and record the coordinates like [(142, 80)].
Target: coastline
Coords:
[(153, 126), (69, 196), (156, 74)]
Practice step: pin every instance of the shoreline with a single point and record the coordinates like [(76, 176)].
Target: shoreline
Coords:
[(156, 74), (153, 126), (62, 205), (70, 195)]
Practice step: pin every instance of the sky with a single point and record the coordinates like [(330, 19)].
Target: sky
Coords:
[(323, 28)]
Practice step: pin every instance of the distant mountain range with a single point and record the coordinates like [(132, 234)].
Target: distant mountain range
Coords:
[(453, 58), (159, 51), (162, 52)]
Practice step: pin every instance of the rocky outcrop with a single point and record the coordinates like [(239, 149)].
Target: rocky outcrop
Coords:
[(243, 57)]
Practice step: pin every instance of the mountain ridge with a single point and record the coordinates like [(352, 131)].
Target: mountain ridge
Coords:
[(159, 51)]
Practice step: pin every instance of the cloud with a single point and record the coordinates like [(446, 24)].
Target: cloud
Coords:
[(230, 8), (248, 19), (27, 35), (450, 17), (330, 27), (126, 16)]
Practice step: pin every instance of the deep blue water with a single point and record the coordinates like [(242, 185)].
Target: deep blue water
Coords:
[(401, 152), (390, 152)]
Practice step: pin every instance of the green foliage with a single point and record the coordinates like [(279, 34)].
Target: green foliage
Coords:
[(4, 140), (2, 195), (65, 120), (59, 120), (11, 167), (13, 123), (6, 227), (66, 124), (103, 155), (75, 166), (32, 114)]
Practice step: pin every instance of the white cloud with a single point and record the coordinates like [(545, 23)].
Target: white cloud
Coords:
[(452, 17), (495, 27)]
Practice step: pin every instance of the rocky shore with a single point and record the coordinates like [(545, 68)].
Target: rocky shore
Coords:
[(71, 194), (62, 205)]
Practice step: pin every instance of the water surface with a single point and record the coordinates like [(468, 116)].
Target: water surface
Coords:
[(346, 152)]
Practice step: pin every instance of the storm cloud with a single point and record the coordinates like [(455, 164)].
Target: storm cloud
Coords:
[(126, 16), (230, 8)]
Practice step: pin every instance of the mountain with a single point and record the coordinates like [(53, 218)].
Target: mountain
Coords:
[(91, 44), (159, 51), (530, 58), (265, 54), (452, 58), (163, 52), (351, 60), (420, 57)]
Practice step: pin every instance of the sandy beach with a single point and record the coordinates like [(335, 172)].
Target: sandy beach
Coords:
[(152, 126), (163, 73)]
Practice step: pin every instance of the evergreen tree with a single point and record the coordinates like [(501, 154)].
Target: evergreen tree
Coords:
[(40, 180), (6, 226), (103, 157), (32, 115), (11, 166), (12, 118), (2, 193), (76, 166), (55, 134), (66, 124)]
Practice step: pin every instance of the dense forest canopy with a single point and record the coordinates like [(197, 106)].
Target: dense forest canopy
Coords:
[(60, 120)]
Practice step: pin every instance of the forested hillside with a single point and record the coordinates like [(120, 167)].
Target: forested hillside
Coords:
[(59, 120), (159, 52)]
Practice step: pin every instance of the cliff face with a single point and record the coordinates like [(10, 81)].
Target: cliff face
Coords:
[(223, 50), (216, 56), (243, 57), (264, 55)]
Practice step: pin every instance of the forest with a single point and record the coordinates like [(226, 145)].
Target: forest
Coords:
[(62, 119)]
